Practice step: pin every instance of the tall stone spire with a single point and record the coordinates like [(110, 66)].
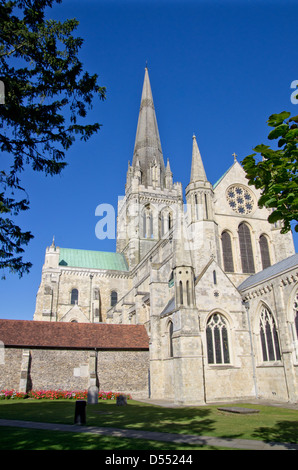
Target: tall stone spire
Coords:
[(197, 167), (147, 148)]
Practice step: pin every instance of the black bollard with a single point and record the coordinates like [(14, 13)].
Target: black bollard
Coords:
[(80, 412)]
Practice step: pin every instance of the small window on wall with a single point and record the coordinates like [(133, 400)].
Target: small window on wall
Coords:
[(74, 298), (114, 298)]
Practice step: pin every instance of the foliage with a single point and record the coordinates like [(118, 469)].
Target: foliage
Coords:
[(47, 92), (275, 174)]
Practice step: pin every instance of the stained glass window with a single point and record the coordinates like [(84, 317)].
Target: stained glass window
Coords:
[(269, 336), (296, 313), (240, 199), (217, 340), (246, 253), (264, 247), (227, 252)]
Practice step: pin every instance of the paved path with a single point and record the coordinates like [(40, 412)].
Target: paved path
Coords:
[(244, 444)]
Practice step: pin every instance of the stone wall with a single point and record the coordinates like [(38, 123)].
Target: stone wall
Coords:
[(94, 294), (54, 369)]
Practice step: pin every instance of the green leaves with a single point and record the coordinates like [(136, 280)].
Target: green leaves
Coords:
[(277, 119), (275, 171), (47, 92)]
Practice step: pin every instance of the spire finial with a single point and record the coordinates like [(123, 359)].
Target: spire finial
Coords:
[(197, 167), (235, 156)]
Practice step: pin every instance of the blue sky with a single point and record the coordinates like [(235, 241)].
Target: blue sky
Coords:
[(217, 69)]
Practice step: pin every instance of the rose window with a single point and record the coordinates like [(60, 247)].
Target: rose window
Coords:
[(240, 199)]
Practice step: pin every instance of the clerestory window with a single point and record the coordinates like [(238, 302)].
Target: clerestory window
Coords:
[(74, 296)]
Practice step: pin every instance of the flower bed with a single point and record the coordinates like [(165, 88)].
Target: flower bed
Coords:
[(11, 395), (58, 395)]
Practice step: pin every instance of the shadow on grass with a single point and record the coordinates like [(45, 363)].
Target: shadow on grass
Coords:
[(283, 431), (133, 416), (30, 439)]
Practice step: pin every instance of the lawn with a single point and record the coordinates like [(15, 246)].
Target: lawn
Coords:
[(270, 424)]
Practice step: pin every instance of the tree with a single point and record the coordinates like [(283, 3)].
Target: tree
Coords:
[(47, 92), (275, 173)]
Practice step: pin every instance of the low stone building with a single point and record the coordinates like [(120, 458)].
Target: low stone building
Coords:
[(74, 356), (212, 282)]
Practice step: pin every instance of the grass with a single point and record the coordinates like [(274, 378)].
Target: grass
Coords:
[(270, 424)]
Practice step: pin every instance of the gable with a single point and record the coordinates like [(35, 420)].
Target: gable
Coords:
[(233, 196), (214, 290)]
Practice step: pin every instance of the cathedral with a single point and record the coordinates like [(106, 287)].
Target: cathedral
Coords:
[(201, 270)]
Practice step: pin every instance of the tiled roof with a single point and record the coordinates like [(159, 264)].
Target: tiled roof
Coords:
[(44, 334), (92, 259), (272, 271)]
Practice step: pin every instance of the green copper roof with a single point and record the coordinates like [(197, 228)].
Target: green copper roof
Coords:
[(218, 181), (92, 259)]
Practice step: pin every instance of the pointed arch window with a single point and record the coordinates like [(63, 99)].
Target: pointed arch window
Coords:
[(170, 222), (264, 248), (181, 292), (217, 340), (296, 314), (188, 293), (147, 223), (170, 330), (196, 207), (162, 228), (74, 297), (227, 252), (246, 252), (295, 324), (269, 336), (114, 298)]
